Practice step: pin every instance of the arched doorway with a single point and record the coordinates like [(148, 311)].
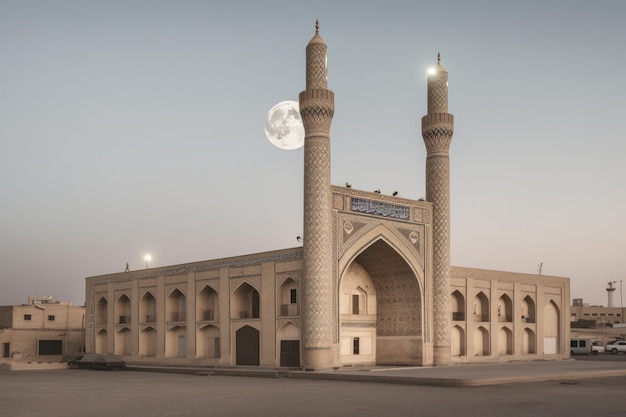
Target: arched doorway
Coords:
[(380, 305), (247, 345), (289, 337), (357, 308), (550, 328)]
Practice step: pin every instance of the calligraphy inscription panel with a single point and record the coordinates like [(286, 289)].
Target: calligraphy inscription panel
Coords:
[(377, 208)]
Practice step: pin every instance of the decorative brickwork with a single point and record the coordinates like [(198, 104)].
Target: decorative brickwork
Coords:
[(316, 67), (438, 91), (90, 319), (316, 285), (317, 109)]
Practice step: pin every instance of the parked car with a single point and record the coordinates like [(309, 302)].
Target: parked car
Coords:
[(616, 346), (98, 361), (597, 347)]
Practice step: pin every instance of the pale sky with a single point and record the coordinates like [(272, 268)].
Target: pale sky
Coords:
[(133, 127)]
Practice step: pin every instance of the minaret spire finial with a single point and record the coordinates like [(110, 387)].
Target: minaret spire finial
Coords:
[(438, 58), (317, 27)]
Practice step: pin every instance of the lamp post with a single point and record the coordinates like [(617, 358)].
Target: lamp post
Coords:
[(147, 258), (621, 300)]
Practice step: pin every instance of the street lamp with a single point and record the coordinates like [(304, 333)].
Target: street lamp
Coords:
[(147, 258)]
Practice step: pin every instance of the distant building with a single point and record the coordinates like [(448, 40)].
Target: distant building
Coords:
[(584, 315), (372, 283), (44, 330)]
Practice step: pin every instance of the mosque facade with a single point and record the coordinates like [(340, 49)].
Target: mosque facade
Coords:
[(371, 284)]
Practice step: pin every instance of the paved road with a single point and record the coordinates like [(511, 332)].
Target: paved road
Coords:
[(603, 357), (81, 393)]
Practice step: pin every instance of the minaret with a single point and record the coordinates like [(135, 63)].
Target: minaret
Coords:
[(609, 292), (317, 106), (437, 129)]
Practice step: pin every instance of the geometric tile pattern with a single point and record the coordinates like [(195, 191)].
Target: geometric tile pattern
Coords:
[(317, 256), (316, 72), (438, 192), (438, 91)]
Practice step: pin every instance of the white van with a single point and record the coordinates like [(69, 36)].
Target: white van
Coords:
[(582, 346)]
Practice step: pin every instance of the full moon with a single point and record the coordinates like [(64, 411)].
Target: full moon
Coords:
[(283, 125)]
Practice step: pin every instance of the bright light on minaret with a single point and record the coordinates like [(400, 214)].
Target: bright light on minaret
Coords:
[(148, 258), (432, 71)]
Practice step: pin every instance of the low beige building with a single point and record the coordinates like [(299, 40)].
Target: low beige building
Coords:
[(44, 330), (372, 283), (586, 315)]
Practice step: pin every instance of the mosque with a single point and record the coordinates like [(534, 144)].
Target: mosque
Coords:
[(372, 283)]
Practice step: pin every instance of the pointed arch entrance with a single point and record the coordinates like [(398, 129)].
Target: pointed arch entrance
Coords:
[(289, 338), (247, 345), (380, 306)]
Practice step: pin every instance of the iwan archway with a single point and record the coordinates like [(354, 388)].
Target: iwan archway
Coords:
[(380, 305)]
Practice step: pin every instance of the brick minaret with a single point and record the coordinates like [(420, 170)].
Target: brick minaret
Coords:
[(437, 129), (317, 106)]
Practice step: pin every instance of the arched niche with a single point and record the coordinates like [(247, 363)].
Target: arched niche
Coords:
[(147, 308), (176, 306), (505, 309), (245, 302), (208, 304), (122, 309), (481, 307), (457, 305), (101, 311)]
